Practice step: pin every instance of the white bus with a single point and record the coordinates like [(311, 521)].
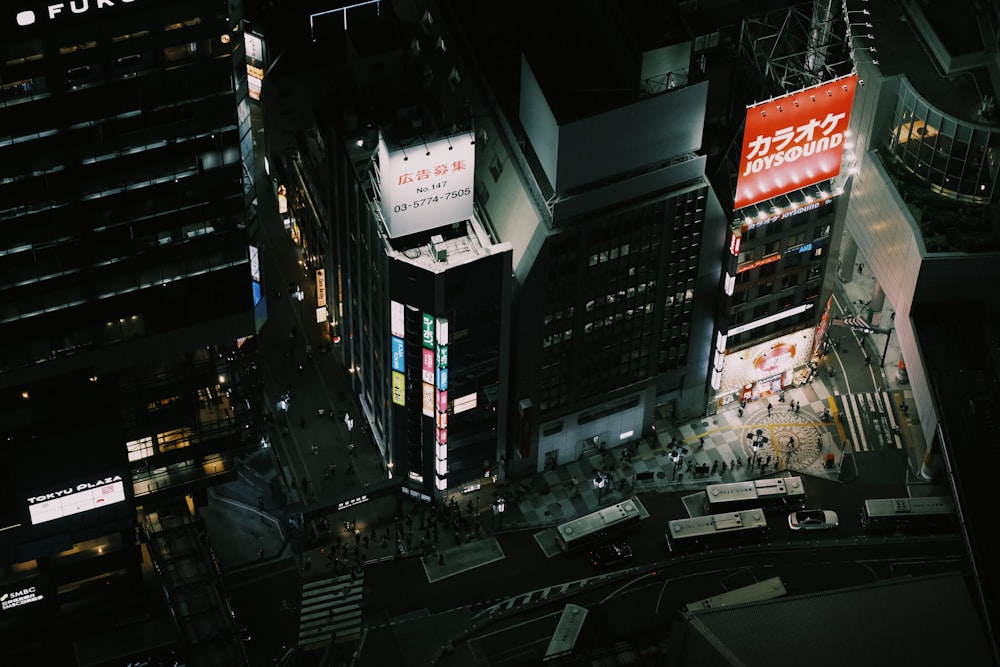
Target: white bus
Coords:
[(716, 529), (781, 493), (909, 514), (597, 526)]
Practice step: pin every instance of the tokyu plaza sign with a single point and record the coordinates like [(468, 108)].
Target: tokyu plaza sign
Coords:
[(29, 17)]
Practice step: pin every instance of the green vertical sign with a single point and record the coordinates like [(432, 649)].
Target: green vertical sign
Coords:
[(428, 331)]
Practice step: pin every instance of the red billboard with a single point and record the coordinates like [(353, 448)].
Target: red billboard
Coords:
[(794, 141)]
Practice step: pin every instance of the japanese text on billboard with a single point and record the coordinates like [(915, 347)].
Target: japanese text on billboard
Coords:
[(794, 141)]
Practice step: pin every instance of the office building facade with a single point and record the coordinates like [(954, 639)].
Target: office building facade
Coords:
[(129, 288)]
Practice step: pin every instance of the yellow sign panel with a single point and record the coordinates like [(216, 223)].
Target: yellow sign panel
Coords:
[(398, 388), (321, 286), (428, 403)]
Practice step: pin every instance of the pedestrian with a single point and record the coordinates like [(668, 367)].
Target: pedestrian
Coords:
[(868, 360), (769, 408), (315, 449), (739, 461), (798, 406), (741, 411), (260, 553), (791, 441), (702, 440), (861, 267), (260, 502), (350, 449)]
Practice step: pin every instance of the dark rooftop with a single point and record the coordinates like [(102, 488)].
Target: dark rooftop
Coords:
[(960, 343), (902, 50)]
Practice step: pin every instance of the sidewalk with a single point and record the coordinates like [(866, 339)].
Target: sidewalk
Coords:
[(718, 446)]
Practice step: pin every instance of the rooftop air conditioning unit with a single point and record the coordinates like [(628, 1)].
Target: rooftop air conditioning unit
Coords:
[(438, 249)]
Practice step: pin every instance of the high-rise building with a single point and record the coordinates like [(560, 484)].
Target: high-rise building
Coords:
[(922, 230), (129, 298)]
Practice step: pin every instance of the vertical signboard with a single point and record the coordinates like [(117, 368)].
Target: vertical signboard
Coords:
[(398, 388), (396, 319), (794, 141), (427, 407), (398, 363), (427, 331), (427, 374)]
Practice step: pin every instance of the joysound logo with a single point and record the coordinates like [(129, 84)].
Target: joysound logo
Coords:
[(28, 16)]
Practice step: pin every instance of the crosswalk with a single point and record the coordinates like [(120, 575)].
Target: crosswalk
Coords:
[(870, 421), (330, 609)]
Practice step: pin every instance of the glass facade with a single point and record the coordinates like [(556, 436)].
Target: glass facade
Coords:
[(953, 157), (619, 298)]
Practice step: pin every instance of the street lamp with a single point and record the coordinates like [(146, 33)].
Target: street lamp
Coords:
[(888, 335), (757, 440)]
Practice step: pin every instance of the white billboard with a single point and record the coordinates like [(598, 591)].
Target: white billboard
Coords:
[(75, 499), (426, 185)]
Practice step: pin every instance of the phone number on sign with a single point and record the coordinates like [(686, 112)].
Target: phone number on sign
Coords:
[(427, 201)]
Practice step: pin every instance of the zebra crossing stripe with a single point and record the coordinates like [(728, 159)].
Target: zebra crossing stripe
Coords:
[(887, 399), (330, 608), (854, 423)]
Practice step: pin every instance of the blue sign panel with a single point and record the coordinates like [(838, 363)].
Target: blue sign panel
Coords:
[(397, 355), (442, 379)]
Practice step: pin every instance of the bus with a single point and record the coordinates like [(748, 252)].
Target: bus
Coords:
[(909, 514), (604, 524), (716, 530), (779, 493), (767, 589)]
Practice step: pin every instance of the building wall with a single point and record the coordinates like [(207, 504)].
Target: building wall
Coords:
[(126, 226), (474, 301)]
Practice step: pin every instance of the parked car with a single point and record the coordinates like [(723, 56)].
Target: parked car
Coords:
[(610, 553), (813, 520)]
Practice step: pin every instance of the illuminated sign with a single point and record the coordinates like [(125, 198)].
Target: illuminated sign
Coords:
[(28, 17), (398, 364), (747, 266), (19, 597), (442, 401), (427, 335), (426, 185), (321, 286), (358, 500), (255, 48), (442, 356), (779, 355), (396, 319), (464, 403), (442, 331), (428, 367), (798, 210), (794, 141), (75, 499), (442, 379), (427, 406), (398, 388), (255, 275)]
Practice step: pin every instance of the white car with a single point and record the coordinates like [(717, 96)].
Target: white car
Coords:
[(813, 520)]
